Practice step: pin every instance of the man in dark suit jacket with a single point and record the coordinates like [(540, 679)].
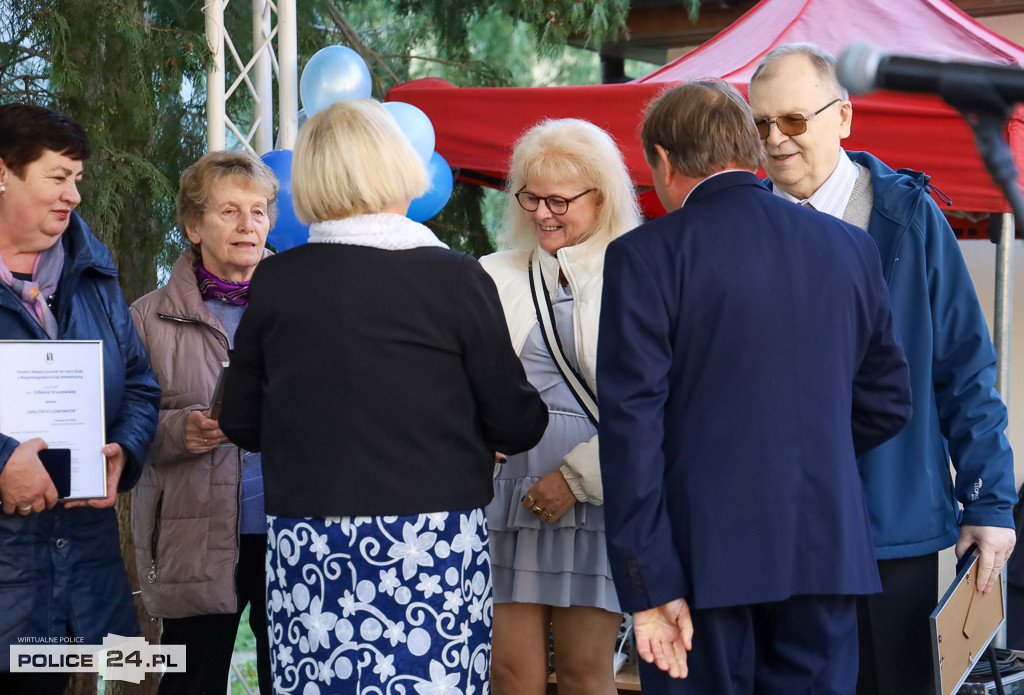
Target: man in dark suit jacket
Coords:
[(746, 357)]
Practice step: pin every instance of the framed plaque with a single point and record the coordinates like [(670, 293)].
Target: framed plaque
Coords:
[(963, 625), (53, 389)]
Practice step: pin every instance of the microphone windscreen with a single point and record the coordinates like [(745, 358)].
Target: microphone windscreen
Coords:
[(857, 67)]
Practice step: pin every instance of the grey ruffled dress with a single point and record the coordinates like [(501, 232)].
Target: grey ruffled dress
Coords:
[(557, 564)]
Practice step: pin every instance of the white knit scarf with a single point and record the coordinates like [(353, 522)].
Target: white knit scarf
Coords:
[(380, 230)]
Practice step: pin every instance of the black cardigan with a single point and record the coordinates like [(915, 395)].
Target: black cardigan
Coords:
[(376, 382)]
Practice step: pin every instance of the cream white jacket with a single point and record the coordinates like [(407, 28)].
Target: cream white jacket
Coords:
[(583, 266)]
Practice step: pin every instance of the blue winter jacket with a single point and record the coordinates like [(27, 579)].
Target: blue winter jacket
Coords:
[(958, 415), (61, 570)]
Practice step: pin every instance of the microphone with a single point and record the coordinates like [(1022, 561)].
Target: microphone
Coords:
[(862, 68)]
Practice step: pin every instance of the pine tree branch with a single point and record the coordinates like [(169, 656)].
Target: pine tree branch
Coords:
[(440, 61), (347, 29), (30, 52), (23, 84)]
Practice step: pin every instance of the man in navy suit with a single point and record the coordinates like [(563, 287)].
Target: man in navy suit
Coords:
[(746, 357)]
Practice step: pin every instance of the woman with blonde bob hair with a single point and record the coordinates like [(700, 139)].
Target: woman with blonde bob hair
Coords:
[(375, 375), (354, 161), (569, 196)]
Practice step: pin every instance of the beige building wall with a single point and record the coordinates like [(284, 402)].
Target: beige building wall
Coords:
[(1009, 26), (981, 262)]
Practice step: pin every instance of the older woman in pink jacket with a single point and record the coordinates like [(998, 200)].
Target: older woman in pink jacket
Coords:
[(197, 513)]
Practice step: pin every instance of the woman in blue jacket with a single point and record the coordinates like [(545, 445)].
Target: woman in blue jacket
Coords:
[(61, 575)]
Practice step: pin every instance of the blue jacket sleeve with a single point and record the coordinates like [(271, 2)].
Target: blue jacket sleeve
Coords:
[(971, 413), (7, 447), (881, 386), (634, 357)]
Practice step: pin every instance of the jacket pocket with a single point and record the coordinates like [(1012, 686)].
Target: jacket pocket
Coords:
[(155, 539)]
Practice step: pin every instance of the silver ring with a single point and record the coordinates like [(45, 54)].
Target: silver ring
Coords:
[(26, 509)]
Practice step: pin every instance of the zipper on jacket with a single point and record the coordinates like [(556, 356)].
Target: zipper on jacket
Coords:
[(151, 575), (183, 319), (240, 462)]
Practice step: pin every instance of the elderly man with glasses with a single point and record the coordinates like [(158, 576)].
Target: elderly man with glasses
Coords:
[(802, 114)]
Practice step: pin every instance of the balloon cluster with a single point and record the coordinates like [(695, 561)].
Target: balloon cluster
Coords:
[(333, 74)]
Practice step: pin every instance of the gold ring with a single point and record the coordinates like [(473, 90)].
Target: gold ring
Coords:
[(530, 499), (204, 441), (537, 509)]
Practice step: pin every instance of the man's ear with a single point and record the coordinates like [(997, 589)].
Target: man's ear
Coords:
[(664, 165), (845, 119)]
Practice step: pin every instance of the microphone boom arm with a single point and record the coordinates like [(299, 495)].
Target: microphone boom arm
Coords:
[(986, 111)]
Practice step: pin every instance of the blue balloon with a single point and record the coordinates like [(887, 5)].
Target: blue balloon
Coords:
[(416, 125), (436, 197), (332, 74), (287, 232)]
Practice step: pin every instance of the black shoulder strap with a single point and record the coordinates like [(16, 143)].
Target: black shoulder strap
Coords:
[(546, 318)]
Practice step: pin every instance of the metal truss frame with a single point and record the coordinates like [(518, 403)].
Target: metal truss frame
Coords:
[(255, 75)]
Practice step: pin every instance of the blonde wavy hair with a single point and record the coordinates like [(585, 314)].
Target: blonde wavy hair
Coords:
[(570, 148)]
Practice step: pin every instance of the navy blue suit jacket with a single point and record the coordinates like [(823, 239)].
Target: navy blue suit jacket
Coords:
[(746, 357)]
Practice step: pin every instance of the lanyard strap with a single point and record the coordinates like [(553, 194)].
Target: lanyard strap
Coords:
[(546, 317)]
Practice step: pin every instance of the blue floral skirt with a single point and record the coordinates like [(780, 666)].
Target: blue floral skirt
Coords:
[(380, 605)]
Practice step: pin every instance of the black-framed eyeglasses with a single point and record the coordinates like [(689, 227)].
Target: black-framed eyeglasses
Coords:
[(556, 203), (790, 124)]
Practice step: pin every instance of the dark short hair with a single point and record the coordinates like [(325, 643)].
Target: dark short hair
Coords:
[(27, 131), (705, 126)]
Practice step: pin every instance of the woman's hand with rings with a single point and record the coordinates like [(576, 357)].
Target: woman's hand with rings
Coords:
[(25, 486), (531, 502), (201, 433), (549, 498)]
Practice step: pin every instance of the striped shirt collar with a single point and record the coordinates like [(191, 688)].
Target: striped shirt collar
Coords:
[(834, 195)]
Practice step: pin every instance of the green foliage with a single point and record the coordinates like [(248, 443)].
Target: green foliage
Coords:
[(468, 44), (460, 224), (552, 21), (132, 72), (121, 68), (246, 680)]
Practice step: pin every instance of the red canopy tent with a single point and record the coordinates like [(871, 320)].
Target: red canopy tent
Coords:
[(476, 127)]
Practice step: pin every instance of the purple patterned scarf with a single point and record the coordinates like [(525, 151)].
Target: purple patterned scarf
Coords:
[(34, 293), (213, 287)]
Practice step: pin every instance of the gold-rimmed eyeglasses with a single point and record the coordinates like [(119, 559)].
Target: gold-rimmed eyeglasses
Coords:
[(789, 124)]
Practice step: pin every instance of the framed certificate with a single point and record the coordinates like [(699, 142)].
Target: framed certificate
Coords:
[(53, 389), (963, 625)]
